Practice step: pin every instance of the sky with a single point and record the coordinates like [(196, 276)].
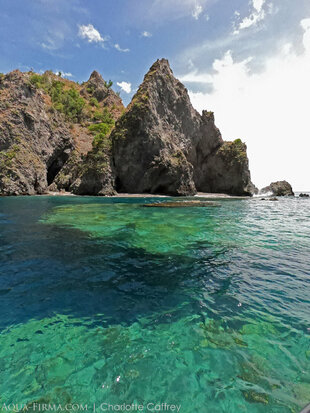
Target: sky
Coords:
[(246, 60)]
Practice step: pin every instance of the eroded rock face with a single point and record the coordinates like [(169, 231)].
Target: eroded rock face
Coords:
[(227, 170), (279, 188), (34, 142), (163, 145), (56, 135), (94, 175), (42, 141), (99, 89)]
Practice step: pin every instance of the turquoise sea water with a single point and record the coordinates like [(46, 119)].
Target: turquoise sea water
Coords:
[(104, 301)]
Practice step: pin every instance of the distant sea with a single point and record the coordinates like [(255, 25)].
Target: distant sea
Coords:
[(105, 301)]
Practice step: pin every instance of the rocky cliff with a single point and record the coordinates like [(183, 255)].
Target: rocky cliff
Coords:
[(47, 125), (163, 145), (58, 135)]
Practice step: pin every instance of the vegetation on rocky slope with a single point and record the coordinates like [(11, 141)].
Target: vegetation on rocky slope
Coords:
[(234, 152), (56, 134), (67, 101), (48, 125), (162, 145)]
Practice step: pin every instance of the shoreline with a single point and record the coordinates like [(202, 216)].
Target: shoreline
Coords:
[(204, 195), (128, 195)]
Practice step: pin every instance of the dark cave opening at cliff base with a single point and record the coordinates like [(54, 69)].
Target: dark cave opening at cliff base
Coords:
[(118, 185), (55, 165)]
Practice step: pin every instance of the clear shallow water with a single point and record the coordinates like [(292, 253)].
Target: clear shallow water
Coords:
[(102, 300)]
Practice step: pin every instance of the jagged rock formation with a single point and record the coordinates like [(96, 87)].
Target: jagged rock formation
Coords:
[(58, 135), (98, 88), (279, 188), (46, 129), (34, 142), (163, 145), (91, 174)]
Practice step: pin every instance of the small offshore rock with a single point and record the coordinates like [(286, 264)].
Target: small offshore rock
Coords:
[(304, 195), (279, 188)]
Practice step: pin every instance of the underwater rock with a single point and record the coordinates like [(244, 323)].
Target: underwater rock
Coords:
[(254, 397), (182, 204), (269, 199), (306, 409)]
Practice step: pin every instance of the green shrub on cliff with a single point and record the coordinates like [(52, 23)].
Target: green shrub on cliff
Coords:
[(67, 101), (102, 130), (37, 80), (94, 102), (234, 151), (104, 116), (6, 157), (108, 84)]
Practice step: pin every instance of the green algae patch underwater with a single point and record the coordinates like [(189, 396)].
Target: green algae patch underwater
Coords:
[(103, 300), (65, 359), (182, 204), (155, 230)]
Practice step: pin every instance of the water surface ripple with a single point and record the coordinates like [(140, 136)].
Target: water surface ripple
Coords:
[(102, 300)]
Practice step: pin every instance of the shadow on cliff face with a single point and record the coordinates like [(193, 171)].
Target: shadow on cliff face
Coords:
[(163, 145), (55, 164)]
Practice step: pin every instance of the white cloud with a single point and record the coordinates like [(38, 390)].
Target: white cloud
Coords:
[(258, 5), (162, 10), (63, 74), (91, 34), (258, 14), (268, 110), (197, 11), (305, 24), (195, 77), (118, 47), (49, 44), (190, 64), (125, 86), (146, 34), (54, 40)]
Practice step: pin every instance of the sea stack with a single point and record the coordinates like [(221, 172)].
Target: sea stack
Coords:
[(163, 145)]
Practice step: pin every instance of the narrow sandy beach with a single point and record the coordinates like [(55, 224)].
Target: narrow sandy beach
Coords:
[(126, 195)]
